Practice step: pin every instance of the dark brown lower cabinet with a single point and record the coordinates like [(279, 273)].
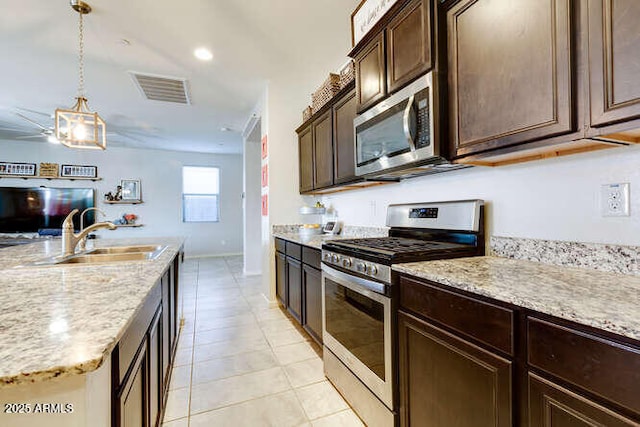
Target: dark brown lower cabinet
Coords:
[(447, 381), (553, 406), (141, 362), (133, 396), (299, 284), (281, 278), (312, 284), (453, 371), (294, 285)]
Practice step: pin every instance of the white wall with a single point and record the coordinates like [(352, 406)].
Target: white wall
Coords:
[(555, 199), (288, 93), (160, 173), (252, 199)]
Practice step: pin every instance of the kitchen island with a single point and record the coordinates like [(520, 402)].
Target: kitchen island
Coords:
[(60, 329)]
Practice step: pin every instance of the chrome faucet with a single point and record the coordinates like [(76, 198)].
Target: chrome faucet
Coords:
[(82, 244), (70, 240)]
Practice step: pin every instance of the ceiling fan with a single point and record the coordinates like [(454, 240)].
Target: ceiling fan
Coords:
[(46, 132), (40, 129)]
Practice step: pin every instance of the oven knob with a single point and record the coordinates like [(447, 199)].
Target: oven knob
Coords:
[(346, 262), (372, 270), (361, 267), (335, 258)]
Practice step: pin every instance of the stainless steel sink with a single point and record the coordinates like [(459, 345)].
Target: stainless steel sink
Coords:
[(126, 249), (107, 255), (107, 258)]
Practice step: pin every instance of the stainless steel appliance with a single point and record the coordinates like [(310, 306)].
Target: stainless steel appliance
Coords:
[(359, 297), (397, 138)]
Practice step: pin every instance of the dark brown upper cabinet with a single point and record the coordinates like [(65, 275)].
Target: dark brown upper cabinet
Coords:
[(323, 150), (409, 44), (398, 52), (510, 73), (305, 146), (614, 65), (344, 164), (371, 85), (327, 147)]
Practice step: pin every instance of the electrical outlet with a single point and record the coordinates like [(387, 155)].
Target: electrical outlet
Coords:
[(614, 200)]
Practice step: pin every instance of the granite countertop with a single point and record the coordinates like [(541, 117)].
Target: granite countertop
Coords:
[(314, 241), (604, 300), (60, 321), (290, 233)]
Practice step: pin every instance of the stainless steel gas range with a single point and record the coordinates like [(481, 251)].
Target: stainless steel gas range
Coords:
[(359, 298)]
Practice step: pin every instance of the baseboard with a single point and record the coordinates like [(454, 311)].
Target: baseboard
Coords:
[(251, 273)]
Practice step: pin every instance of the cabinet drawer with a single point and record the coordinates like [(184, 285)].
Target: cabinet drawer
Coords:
[(312, 257), (487, 323), (294, 250), (280, 245), (130, 341), (602, 367)]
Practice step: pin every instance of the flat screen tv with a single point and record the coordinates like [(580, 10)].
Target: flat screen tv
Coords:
[(30, 210)]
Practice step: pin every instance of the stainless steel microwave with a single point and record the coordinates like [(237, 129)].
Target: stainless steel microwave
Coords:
[(395, 138)]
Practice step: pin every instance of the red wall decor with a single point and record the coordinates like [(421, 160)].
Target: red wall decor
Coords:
[(265, 147), (265, 205), (265, 176)]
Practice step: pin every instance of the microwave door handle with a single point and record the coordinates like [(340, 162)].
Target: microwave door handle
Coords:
[(408, 121)]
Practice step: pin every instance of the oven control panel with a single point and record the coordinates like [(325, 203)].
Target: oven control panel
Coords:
[(365, 268)]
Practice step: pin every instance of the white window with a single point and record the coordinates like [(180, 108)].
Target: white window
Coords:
[(200, 194)]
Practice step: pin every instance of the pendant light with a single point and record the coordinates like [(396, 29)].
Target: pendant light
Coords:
[(78, 127)]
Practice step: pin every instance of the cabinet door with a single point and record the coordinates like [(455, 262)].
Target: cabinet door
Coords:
[(133, 395), (553, 406), (614, 49), (446, 381), (323, 150), (281, 278), (510, 72), (305, 145), (166, 335), (409, 45), (173, 312), (312, 282), (155, 369), (294, 285), (370, 74), (344, 162)]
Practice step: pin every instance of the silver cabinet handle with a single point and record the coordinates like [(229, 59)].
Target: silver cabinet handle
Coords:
[(408, 122)]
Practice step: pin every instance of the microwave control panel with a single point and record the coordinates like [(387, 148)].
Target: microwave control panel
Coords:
[(423, 138)]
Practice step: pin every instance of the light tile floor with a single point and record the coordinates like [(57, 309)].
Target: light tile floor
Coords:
[(240, 363)]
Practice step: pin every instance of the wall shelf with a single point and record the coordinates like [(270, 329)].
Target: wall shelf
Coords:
[(123, 202), (129, 225), (49, 178)]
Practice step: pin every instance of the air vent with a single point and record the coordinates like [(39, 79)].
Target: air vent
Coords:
[(161, 88)]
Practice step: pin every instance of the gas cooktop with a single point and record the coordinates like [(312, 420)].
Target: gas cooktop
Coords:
[(392, 250)]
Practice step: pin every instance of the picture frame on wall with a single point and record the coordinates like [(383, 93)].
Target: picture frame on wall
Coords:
[(78, 171), (366, 15), (17, 169), (131, 190)]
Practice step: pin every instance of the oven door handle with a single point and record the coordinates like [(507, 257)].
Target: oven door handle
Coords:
[(409, 123), (369, 288)]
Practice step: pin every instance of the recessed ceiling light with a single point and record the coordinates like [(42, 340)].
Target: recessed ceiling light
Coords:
[(203, 54), (225, 129)]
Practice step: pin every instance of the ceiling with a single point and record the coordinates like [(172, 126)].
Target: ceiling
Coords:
[(251, 41)]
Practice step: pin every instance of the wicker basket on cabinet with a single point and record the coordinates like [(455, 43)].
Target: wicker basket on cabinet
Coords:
[(328, 90)]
